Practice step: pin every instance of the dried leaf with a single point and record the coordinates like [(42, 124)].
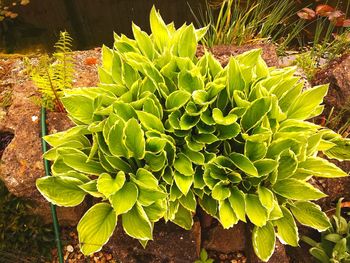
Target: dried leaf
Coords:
[(337, 17), (306, 13), (324, 10)]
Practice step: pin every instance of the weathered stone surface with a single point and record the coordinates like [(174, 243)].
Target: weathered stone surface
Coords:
[(224, 52), (337, 73), (226, 240), (21, 162), (171, 244)]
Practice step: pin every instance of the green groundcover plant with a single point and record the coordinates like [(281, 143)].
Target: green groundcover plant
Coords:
[(335, 241), (165, 130)]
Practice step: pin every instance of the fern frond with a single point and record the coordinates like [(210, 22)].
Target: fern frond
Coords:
[(53, 75), (64, 67)]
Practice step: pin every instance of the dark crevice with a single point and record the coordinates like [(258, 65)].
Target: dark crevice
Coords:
[(5, 139)]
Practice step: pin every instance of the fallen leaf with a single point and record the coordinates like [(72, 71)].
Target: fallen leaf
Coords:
[(306, 13), (324, 10), (346, 23)]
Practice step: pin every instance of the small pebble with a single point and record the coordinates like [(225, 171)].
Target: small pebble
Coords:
[(70, 248)]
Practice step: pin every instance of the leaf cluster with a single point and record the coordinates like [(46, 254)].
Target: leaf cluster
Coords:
[(335, 241), (53, 75), (165, 130)]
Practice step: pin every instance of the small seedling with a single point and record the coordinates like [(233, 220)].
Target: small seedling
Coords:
[(204, 257)]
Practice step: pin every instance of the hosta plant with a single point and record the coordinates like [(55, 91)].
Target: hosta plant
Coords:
[(335, 242), (165, 130)]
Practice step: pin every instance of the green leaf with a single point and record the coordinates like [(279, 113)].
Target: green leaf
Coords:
[(157, 161), (107, 58), (96, 227), (136, 223), (78, 161), (183, 165), (195, 157), (227, 216), (255, 113), (118, 163), (276, 212), (319, 254), (220, 119), (150, 122), (190, 81), (256, 212), (189, 201), (145, 179), (287, 230), (244, 164), (156, 211), (306, 103), (61, 191), (144, 42), (187, 45), (91, 189), (321, 168), (160, 32), (124, 110), (234, 77), (264, 241), (228, 132), (287, 166), (79, 107), (297, 190), (183, 218), (123, 200), (177, 99), (150, 196), (310, 214), (255, 150), (183, 182), (108, 185), (237, 201), (266, 198), (265, 166), (221, 191), (134, 138), (208, 204), (115, 141)]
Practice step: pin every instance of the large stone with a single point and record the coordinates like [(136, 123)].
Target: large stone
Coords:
[(21, 161), (226, 240), (337, 74)]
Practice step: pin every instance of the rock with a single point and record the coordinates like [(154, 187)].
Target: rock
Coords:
[(21, 161), (335, 188), (337, 73), (226, 240), (224, 52), (171, 244)]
